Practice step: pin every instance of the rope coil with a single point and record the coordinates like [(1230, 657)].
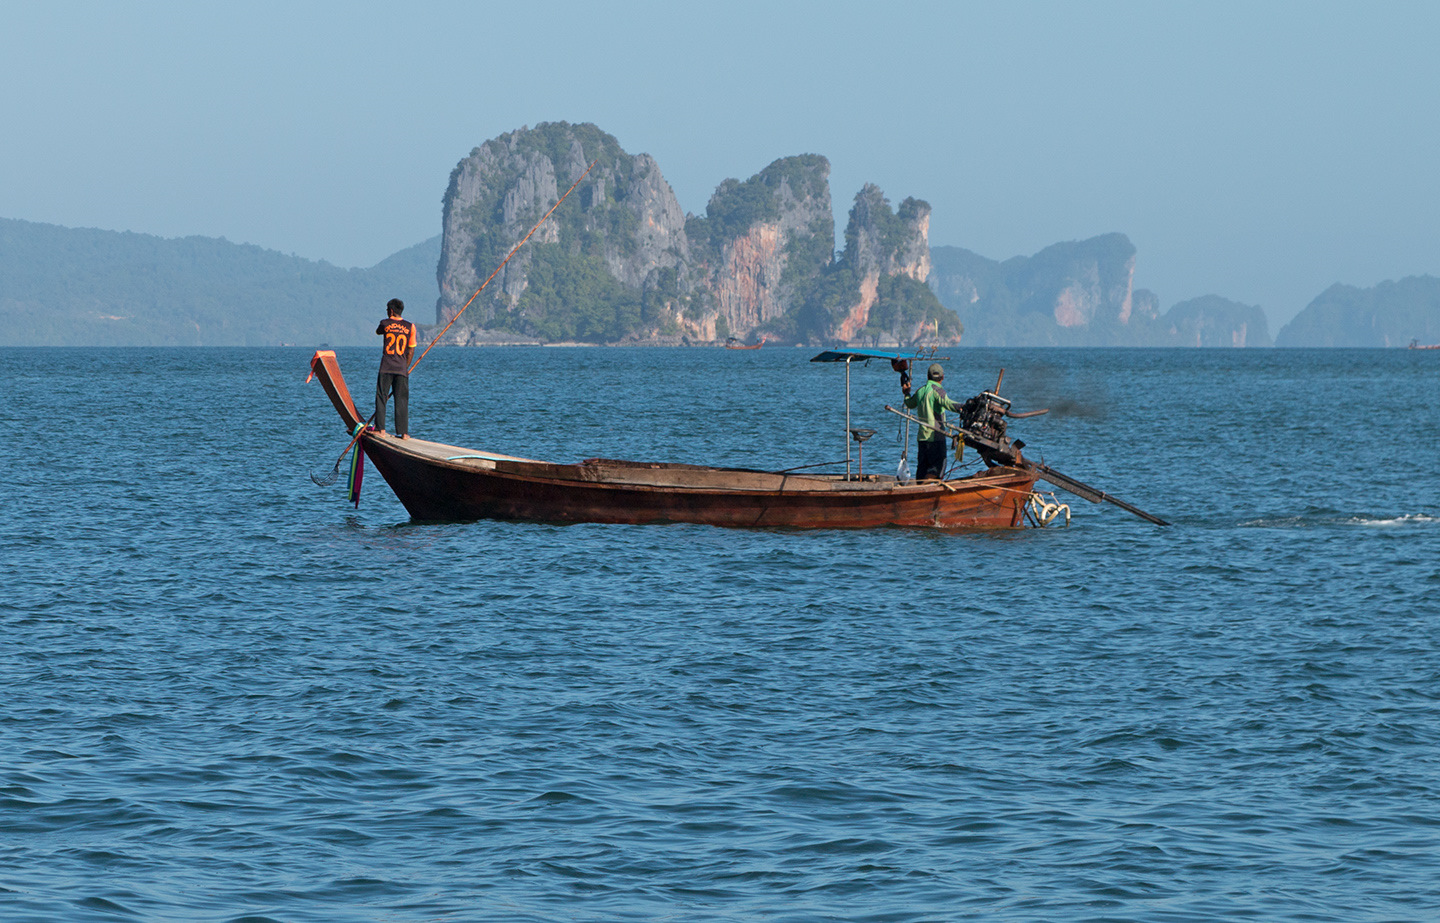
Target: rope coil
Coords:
[(1043, 512)]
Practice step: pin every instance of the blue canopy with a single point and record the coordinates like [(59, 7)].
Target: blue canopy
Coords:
[(861, 355)]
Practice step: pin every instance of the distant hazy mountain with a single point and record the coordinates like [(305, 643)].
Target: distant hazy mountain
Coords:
[(85, 287), (1214, 322), (1080, 293), (1389, 314)]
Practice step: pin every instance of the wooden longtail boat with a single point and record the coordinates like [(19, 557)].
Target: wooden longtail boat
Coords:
[(444, 482), (1416, 344)]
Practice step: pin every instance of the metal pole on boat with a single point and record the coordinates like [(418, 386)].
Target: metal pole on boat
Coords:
[(847, 418)]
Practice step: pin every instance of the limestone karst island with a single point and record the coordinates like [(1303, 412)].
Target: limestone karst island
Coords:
[(620, 261), (624, 263)]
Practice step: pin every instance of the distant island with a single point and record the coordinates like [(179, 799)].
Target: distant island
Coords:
[(85, 287), (1081, 293), (1388, 314), (621, 263)]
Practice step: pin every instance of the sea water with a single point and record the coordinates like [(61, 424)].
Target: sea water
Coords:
[(229, 695)]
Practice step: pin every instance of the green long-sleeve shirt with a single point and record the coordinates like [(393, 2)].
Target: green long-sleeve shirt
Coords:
[(930, 404)]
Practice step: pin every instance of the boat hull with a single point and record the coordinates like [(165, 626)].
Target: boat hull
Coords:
[(478, 487)]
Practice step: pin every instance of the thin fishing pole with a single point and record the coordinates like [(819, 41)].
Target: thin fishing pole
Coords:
[(513, 251), (335, 471)]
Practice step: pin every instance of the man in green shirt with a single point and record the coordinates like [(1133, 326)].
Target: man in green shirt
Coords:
[(930, 404)]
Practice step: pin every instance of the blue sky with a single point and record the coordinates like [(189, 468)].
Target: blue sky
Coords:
[(1260, 151)]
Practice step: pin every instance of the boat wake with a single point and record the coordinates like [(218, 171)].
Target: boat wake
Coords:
[(1408, 519), (1333, 518)]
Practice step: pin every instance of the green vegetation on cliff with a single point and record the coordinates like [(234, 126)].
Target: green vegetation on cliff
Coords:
[(736, 207), (826, 303), (571, 296), (902, 305), (905, 304)]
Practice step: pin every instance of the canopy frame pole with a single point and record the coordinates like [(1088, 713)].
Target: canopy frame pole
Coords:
[(847, 418)]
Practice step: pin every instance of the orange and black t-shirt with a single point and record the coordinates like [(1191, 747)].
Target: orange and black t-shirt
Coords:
[(399, 345)]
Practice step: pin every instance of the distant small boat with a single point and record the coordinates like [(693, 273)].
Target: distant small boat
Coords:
[(1415, 344), (732, 343)]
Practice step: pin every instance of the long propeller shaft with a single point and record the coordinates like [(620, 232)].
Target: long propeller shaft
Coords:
[(1045, 472)]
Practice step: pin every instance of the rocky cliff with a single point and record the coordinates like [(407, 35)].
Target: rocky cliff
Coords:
[(1078, 293), (620, 262), (1081, 293), (621, 234), (761, 244), (876, 293)]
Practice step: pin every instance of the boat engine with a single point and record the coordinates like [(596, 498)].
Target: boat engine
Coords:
[(984, 415), (982, 426), (983, 419)]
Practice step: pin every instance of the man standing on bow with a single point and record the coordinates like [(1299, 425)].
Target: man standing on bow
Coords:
[(930, 404), (395, 368)]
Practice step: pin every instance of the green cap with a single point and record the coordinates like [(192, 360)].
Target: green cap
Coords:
[(936, 372)]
